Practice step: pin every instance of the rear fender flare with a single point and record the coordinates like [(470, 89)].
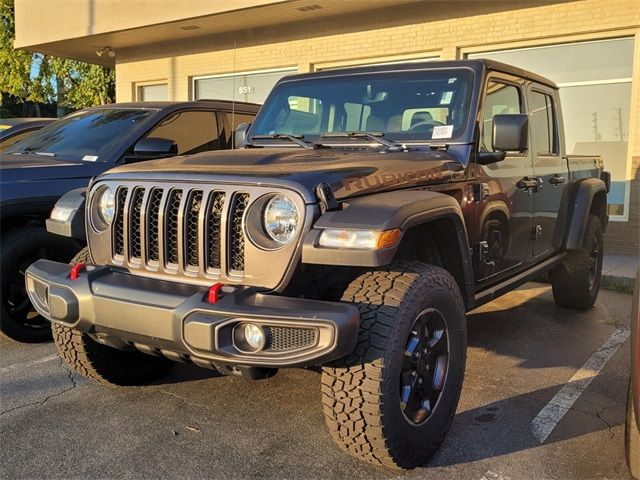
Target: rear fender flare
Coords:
[(575, 207)]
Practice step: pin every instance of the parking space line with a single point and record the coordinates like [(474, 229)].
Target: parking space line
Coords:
[(552, 413), (20, 366)]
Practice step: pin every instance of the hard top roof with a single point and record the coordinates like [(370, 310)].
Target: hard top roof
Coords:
[(478, 65)]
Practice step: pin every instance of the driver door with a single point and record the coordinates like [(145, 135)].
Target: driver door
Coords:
[(505, 214)]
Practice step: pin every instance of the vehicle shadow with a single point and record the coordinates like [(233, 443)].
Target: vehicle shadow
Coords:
[(526, 322), (505, 426)]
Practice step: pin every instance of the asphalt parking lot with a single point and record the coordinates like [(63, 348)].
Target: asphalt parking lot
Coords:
[(524, 352)]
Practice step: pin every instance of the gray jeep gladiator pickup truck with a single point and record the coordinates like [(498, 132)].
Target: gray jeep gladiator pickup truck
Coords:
[(369, 210)]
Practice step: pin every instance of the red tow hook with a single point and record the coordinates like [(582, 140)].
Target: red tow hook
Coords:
[(75, 271), (214, 293)]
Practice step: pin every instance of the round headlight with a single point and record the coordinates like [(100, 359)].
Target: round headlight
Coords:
[(106, 205), (281, 219)]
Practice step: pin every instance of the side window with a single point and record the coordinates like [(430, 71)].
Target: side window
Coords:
[(501, 98), (194, 132), (230, 123), (543, 123), (236, 119)]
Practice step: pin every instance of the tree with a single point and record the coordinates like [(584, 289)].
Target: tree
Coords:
[(43, 78)]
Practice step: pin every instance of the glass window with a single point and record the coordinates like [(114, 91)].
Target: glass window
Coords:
[(573, 62), (595, 88), (409, 105), (231, 121), (193, 132), (501, 98), (5, 144), (153, 93), (246, 87), (89, 135), (542, 123)]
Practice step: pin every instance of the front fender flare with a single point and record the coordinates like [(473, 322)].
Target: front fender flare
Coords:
[(385, 211), (74, 226)]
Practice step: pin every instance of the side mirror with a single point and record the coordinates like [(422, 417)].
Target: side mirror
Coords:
[(155, 147), (510, 132), (240, 135)]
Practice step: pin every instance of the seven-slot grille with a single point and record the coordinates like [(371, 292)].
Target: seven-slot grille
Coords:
[(180, 229)]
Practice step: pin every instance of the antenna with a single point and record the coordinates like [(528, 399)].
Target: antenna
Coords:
[(233, 98)]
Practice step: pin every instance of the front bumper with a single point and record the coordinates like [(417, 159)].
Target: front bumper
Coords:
[(175, 320)]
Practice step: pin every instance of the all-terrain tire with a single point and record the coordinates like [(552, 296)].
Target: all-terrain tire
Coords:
[(101, 363), (576, 280), (21, 247), (632, 439), (361, 393)]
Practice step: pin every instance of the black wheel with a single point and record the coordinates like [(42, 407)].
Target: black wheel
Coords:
[(576, 280), (20, 248), (101, 363), (632, 440), (392, 400)]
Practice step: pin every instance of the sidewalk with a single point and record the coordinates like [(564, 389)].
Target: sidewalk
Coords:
[(619, 272)]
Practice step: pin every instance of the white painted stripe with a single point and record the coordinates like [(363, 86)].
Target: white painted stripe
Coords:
[(552, 413), (32, 363)]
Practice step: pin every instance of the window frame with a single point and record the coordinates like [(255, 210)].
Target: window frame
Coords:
[(509, 80), (548, 92)]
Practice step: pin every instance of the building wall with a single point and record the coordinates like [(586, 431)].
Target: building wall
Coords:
[(447, 29)]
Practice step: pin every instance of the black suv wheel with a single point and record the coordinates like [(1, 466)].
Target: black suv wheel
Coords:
[(392, 400), (20, 248)]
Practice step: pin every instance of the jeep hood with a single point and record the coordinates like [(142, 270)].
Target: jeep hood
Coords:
[(350, 172)]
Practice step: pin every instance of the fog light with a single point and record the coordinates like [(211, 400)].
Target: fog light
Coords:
[(254, 336)]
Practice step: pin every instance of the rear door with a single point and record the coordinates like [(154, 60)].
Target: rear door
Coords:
[(548, 166), (504, 215)]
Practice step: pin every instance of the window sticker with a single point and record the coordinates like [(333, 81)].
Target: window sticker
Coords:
[(90, 158), (442, 131), (446, 97)]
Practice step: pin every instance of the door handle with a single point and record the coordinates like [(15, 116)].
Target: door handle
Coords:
[(557, 180), (528, 183)]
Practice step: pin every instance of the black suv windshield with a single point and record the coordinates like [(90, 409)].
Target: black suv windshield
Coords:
[(415, 106), (88, 135)]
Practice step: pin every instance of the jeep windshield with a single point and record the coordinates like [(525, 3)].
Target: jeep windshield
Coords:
[(425, 106), (88, 135)]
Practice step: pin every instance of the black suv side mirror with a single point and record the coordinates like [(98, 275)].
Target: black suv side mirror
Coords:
[(510, 132), (240, 135), (154, 147)]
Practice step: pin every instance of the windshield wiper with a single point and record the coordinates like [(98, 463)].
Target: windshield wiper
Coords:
[(32, 152), (285, 136), (373, 136)]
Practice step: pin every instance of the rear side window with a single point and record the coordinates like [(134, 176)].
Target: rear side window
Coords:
[(193, 132), (230, 121), (501, 98), (543, 123)]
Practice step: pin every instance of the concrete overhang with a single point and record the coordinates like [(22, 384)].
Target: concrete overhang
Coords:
[(77, 29)]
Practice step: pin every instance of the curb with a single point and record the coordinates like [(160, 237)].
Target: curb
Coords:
[(618, 284)]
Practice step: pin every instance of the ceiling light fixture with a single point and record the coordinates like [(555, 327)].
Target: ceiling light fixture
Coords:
[(108, 50)]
